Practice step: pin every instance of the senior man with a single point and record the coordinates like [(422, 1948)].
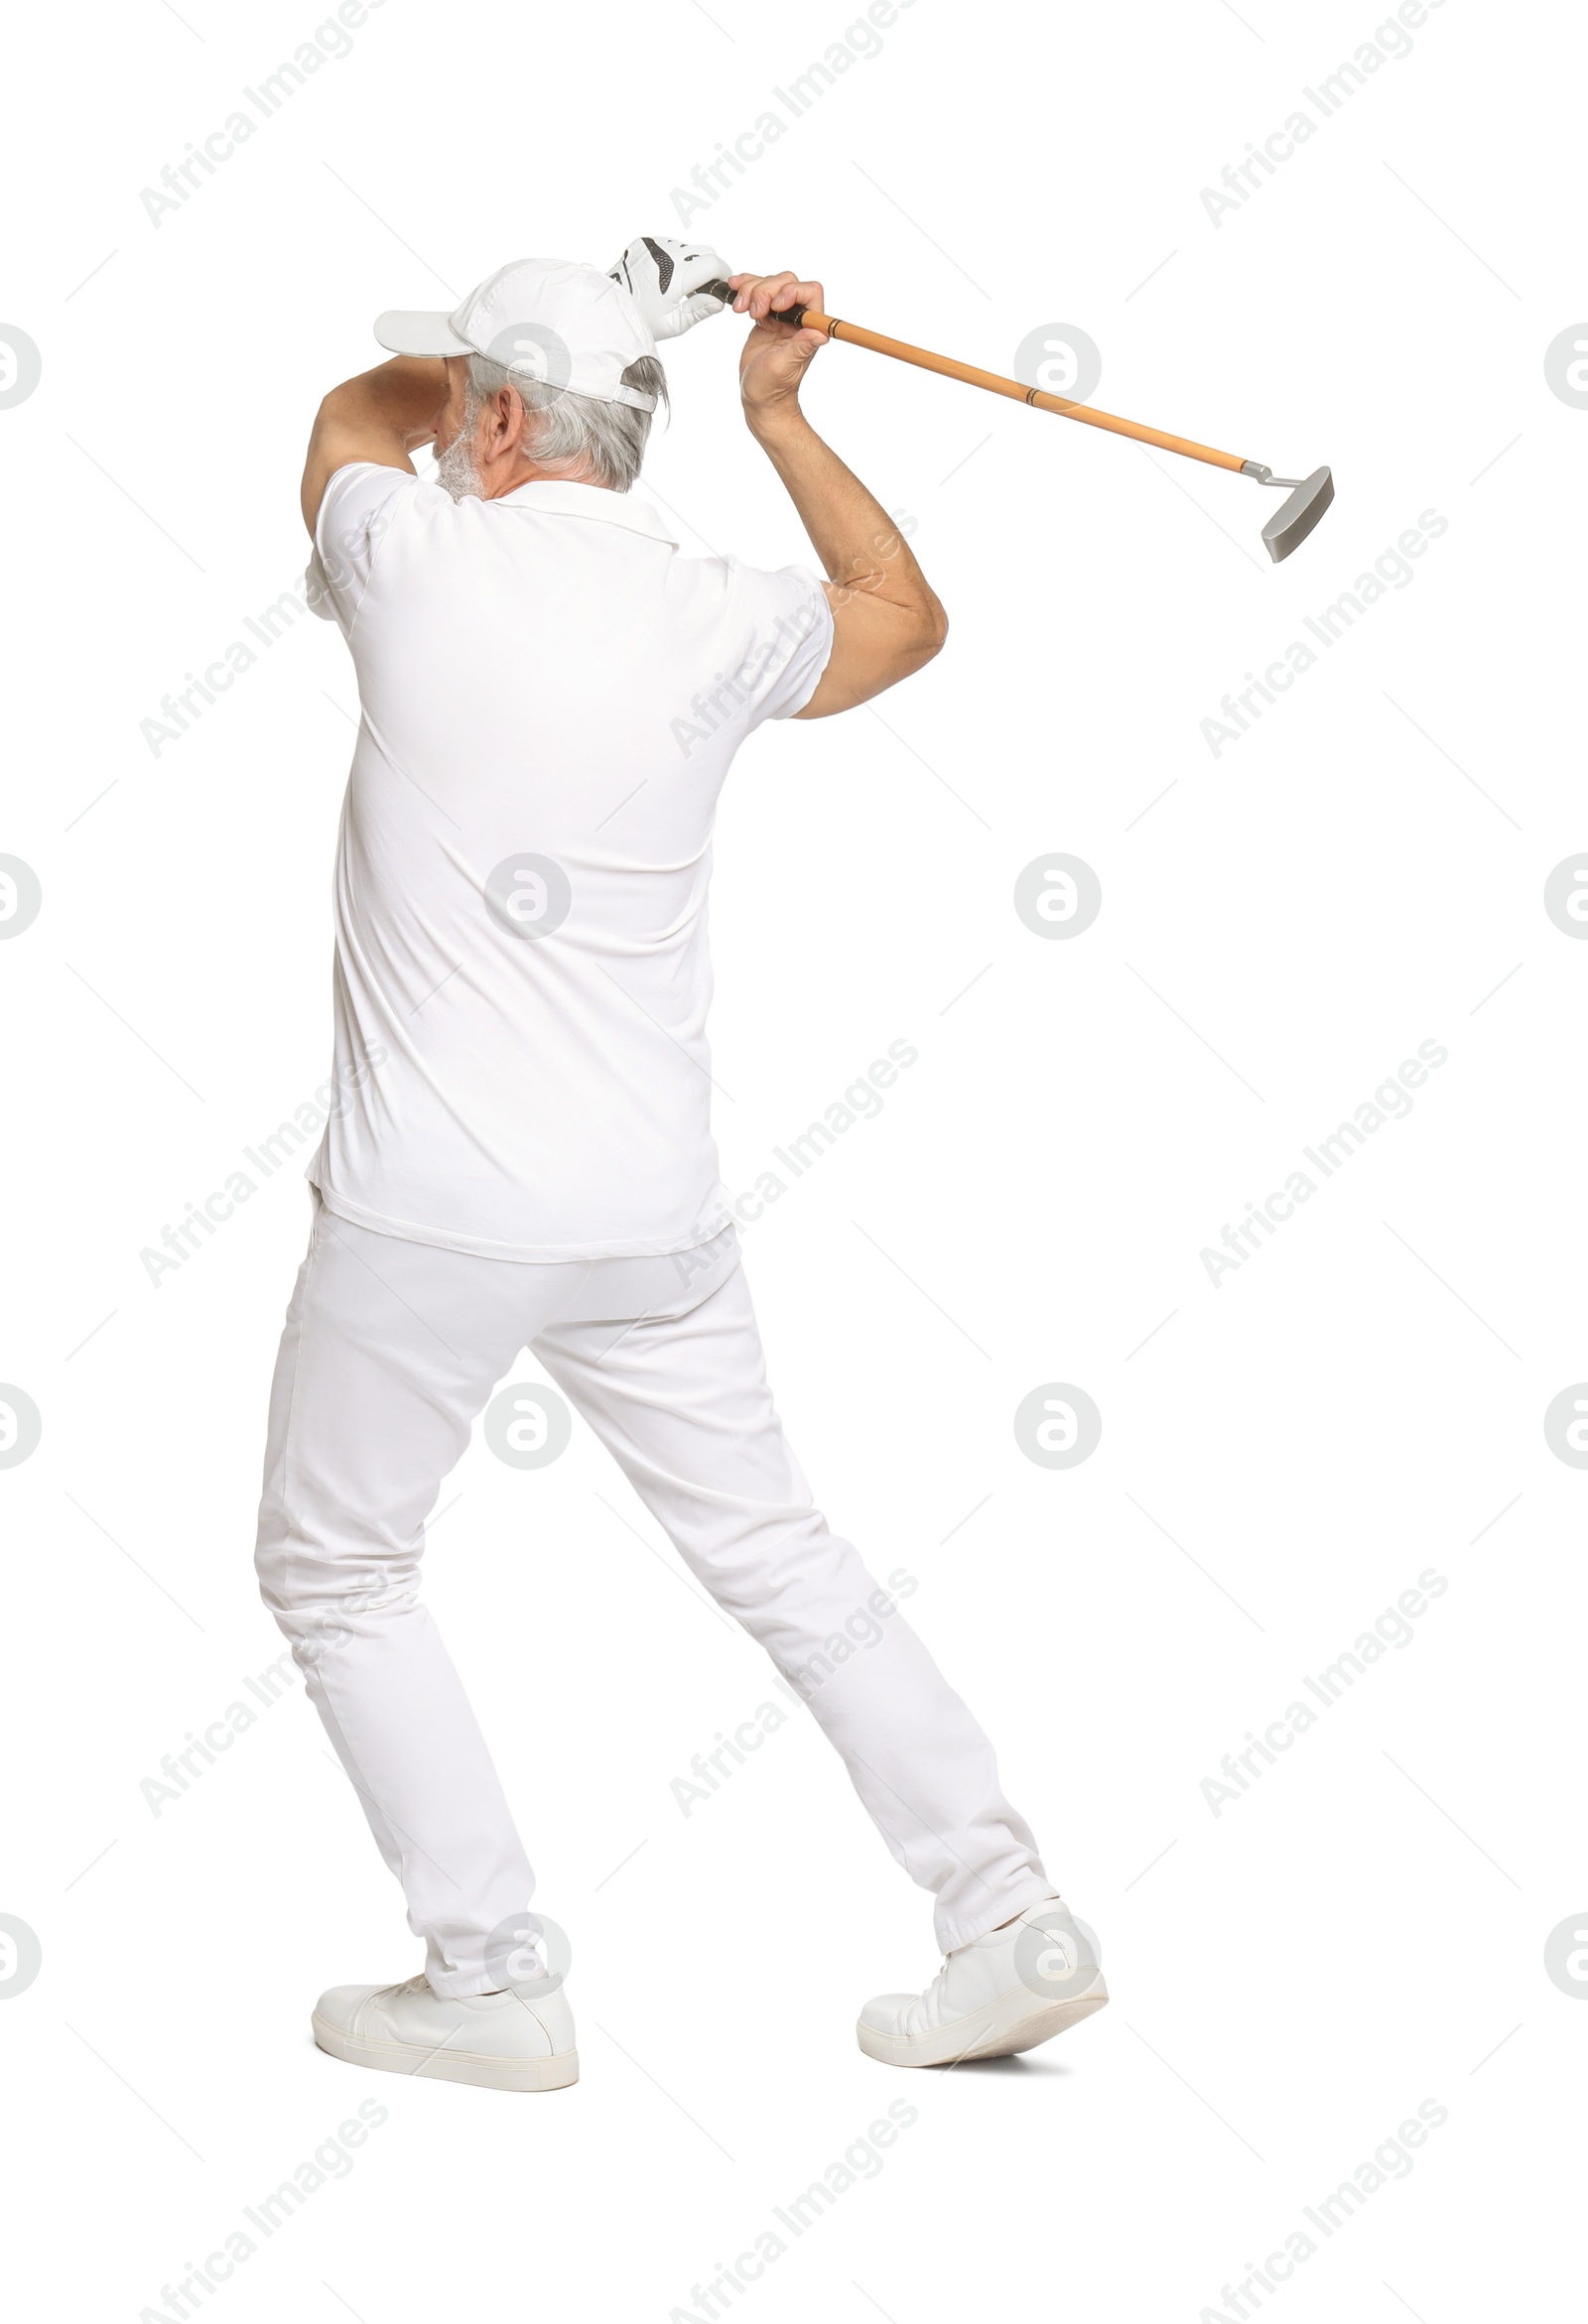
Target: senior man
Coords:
[(522, 1151)]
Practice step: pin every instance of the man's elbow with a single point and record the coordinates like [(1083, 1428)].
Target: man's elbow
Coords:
[(339, 403), (931, 634), (912, 646)]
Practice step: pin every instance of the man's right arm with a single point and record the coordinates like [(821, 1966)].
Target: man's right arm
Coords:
[(381, 417), (887, 619)]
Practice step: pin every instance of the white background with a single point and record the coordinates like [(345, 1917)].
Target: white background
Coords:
[(1281, 1455)]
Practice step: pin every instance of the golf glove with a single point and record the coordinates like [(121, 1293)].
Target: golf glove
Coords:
[(664, 279)]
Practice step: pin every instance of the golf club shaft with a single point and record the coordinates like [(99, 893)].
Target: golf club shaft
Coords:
[(811, 320)]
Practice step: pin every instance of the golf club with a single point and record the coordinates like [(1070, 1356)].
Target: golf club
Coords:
[(1284, 531)]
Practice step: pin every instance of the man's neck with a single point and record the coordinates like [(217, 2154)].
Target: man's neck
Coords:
[(527, 473)]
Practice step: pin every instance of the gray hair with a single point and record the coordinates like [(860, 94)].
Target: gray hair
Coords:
[(574, 434)]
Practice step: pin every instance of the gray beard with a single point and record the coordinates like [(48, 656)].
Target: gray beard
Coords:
[(456, 471)]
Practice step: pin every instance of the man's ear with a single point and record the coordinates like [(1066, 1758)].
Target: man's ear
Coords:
[(510, 423)]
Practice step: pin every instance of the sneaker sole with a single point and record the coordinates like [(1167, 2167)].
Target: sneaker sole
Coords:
[(1000, 2030), (447, 2065)]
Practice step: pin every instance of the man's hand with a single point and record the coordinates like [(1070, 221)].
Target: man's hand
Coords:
[(774, 356), (664, 281), (886, 620)]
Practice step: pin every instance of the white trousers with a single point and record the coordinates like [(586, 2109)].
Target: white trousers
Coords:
[(390, 1352)]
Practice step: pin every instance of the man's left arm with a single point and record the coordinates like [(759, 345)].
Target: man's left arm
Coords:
[(381, 417), (886, 618)]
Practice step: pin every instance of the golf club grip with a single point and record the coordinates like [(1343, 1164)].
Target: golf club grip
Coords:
[(812, 318)]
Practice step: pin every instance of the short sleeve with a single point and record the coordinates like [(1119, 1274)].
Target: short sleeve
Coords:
[(359, 503), (790, 639)]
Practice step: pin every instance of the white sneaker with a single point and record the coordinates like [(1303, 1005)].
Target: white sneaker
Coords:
[(1004, 1991), (496, 2041)]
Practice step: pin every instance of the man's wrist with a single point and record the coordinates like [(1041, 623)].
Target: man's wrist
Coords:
[(776, 423)]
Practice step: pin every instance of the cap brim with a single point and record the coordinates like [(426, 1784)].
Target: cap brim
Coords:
[(407, 332)]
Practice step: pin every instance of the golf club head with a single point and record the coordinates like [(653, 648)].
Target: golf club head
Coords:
[(1290, 527)]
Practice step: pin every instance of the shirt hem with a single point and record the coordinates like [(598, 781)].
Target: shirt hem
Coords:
[(653, 1247)]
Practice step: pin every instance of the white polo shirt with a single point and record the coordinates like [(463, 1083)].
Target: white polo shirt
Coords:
[(551, 696)]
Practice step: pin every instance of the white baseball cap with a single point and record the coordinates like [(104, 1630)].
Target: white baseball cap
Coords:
[(553, 322)]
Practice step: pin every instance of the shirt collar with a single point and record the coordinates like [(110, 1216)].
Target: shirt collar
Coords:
[(557, 496)]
